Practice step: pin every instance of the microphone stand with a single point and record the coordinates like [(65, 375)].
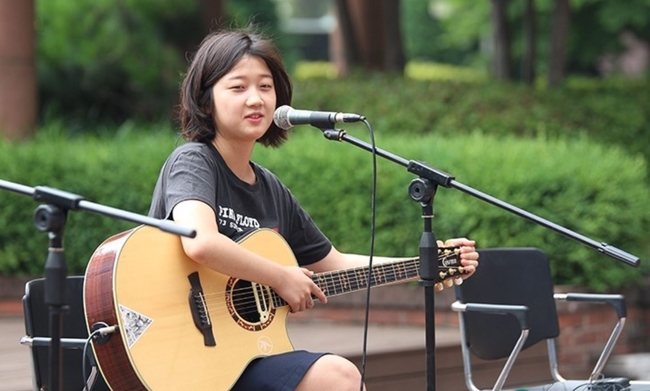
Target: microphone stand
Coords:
[(51, 217), (423, 190)]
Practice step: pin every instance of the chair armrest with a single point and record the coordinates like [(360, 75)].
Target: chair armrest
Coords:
[(616, 301), (70, 343), (518, 311)]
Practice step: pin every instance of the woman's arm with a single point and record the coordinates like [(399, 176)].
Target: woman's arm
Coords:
[(218, 252)]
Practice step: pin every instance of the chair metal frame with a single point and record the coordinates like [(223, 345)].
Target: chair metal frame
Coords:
[(35, 333), (522, 307)]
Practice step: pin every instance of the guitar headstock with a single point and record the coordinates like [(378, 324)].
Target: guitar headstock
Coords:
[(450, 269)]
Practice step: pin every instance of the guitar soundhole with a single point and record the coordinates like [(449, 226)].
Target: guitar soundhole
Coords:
[(244, 302), (249, 304)]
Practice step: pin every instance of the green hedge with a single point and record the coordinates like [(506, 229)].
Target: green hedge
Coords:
[(596, 191), (613, 112), (120, 172)]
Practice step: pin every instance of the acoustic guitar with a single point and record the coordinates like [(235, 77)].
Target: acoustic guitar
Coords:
[(182, 326)]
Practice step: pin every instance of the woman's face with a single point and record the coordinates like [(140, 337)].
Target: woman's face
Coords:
[(244, 101)]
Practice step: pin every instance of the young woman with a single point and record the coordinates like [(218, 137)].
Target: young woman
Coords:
[(228, 97)]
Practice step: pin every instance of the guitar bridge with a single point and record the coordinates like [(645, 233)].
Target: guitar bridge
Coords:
[(199, 310)]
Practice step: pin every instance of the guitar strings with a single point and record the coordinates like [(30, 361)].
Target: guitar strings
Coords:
[(329, 278), (243, 300), (330, 285), (388, 270)]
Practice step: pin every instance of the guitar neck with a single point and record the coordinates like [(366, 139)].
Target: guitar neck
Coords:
[(338, 282)]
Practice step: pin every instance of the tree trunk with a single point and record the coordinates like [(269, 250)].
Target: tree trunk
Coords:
[(18, 90), (530, 47), (559, 42), (367, 21), (343, 44), (394, 58), (501, 40), (369, 36)]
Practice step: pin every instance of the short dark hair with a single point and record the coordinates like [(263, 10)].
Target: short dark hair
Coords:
[(218, 53)]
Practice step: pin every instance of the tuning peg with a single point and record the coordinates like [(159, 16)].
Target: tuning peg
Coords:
[(458, 280), (439, 286), (461, 269), (443, 275), (452, 271), (448, 283)]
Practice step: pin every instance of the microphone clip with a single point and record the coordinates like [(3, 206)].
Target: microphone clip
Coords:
[(334, 134)]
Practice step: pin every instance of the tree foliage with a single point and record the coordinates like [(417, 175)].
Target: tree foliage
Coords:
[(109, 61), (424, 36), (596, 27)]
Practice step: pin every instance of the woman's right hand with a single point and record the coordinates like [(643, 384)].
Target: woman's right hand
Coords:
[(297, 288)]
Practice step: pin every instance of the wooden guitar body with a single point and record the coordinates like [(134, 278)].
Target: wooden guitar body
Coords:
[(182, 326)]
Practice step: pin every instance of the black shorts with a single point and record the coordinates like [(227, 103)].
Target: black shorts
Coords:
[(281, 372)]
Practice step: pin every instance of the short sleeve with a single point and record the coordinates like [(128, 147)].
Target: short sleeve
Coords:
[(188, 174)]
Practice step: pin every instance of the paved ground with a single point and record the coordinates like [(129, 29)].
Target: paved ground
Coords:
[(15, 366)]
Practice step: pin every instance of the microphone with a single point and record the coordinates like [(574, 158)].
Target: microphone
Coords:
[(286, 117)]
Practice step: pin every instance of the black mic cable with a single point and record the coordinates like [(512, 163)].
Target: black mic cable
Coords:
[(373, 213), (100, 329)]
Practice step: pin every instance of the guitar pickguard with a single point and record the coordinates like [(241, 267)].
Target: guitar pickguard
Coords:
[(135, 324)]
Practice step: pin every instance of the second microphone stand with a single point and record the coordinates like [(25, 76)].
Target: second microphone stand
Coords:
[(423, 190), (51, 217)]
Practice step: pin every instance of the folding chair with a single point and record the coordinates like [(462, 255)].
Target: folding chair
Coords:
[(73, 338), (508, 305)]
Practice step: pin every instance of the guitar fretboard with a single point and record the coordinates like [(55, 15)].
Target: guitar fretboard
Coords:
[(354, 279)]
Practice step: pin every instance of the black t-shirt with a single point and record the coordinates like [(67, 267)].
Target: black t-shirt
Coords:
[(196, 171)]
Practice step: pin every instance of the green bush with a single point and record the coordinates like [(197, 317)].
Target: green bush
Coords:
[(596, 191), (120, 173), (612, 112), (99, 60)]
